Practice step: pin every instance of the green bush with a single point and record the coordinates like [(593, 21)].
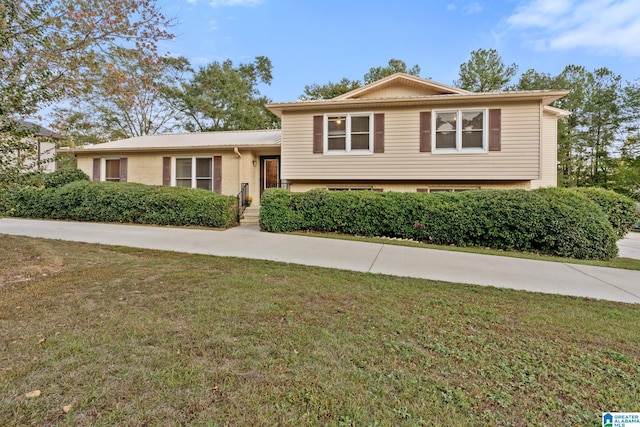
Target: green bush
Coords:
[(619, 209), (32, 179), (278, 211), (551, 221), (124, 203), (63, 177)]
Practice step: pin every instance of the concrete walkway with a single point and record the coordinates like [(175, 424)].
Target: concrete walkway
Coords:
[(248, 242)]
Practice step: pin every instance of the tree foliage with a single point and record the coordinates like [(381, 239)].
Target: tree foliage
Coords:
[(588, 138), (51, 47), (485, 72), (223, 97), (394, 66), (331, 90), (129, 96)]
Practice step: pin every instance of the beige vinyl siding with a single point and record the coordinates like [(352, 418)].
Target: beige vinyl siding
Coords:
[(549, 152), (517, 160), (397, 92)]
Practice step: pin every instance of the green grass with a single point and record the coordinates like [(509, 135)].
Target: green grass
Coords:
[(619, 262), (137, 337)]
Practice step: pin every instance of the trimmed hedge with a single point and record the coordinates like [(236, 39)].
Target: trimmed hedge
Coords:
[(64, 176), (619, 209), (550, 221), (124, 203)]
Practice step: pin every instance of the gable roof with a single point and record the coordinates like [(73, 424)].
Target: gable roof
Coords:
[(181, 141), (428, 101), (419, 85), (404, 90)]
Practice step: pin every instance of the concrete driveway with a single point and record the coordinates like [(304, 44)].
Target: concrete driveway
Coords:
[(630, 245), (248, 242)]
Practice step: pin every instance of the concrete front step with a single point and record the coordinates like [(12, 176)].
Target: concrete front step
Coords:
[(250, 216)]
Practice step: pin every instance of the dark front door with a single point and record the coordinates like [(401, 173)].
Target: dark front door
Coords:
[(269, 172)]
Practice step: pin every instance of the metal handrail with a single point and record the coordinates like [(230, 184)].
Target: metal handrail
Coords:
[(242, 198)]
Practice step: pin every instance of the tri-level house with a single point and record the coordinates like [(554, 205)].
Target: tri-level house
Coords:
[(401, 133)]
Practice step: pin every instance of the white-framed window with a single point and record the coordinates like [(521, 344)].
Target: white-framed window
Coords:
[(193, 172), (460, 130), (348, 133), (111, 169)]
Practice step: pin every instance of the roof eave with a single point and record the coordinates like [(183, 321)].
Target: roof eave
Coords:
[(557, 111), (399, 76), (163, 149), (545, 96)]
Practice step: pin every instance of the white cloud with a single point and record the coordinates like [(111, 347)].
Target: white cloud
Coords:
[(471, 8), (213, 25), (608, 26), (468, 7), (539, 13), (191, 1), (222, 3)]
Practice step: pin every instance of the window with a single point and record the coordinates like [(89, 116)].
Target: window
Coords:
[(349, 133), (460, 130), (194, 172), (112, 170)]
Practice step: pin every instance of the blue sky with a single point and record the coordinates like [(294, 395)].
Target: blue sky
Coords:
[(320, 41)]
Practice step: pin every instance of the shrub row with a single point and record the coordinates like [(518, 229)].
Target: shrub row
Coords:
[(550, 221), (64, 176), (124, 203), (619, 209)]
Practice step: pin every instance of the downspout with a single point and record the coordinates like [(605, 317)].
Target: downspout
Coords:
[(235, 150)]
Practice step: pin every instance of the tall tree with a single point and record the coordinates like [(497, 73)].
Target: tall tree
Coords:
[(574, 78), (626, 175), (394, 66), (331, 90), (601, 121), (485, 72), (223, 97), (588, 137), (128, 97), (50, 46), (631, 106)]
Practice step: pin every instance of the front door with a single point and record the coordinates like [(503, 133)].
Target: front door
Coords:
[(269, 172)]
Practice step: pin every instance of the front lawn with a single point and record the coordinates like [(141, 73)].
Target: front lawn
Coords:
[(120, 336)]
